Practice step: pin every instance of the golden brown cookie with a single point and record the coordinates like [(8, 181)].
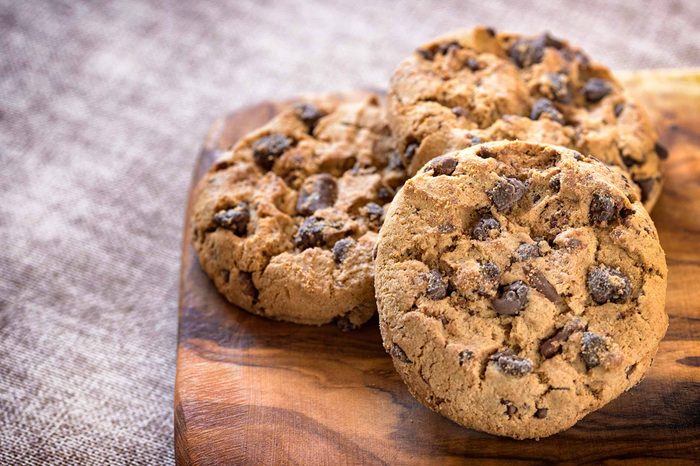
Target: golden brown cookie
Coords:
[(520, 286), (477, 86), (285, 223)]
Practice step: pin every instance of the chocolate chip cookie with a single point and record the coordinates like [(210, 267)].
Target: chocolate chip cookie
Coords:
[(477, 86), (285, 223), (520, 286)]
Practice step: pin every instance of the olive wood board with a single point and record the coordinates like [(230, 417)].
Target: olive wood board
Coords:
[(252, 391)]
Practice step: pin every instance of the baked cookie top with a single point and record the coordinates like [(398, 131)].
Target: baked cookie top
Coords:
[(520, 286), (285, 222), (477, 86)]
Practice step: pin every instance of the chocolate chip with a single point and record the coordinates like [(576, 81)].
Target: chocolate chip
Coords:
[(310, 234), (602, 209), (309, 114), (427, 54), (629, 161), (661, 151), (345, 324), (317, 192), (647, 186), (559, 87), (410, 151), (618, 109), (595, 89), (374, 213), (527, 251), (437, 288), (490, 270), (395, 162), (538, 281), (473, 64), (490, 31), (484, 152), (555, 183), (511, 364), (607, 284), (512, 300), (486, 228), (460, 111), (552, 346), (465, 356), (398, 353), (448, 46), (444, 165), (511, 409), (235, 219), (541, 413), (341, 248), (546, 106), (268, 148), (593, 349), (527, 52), (385, 194), (507, 192), (245, 281), (476, 140)]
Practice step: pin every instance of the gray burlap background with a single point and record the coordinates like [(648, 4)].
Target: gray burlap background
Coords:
[(102, 109)]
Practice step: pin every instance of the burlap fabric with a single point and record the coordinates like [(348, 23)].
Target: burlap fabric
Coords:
[(103, 105)]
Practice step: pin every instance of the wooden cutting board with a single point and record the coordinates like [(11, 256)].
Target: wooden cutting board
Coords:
[(252, 391)]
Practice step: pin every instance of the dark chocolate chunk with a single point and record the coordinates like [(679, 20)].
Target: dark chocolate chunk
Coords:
[(607, 284), (398, 353), (538, 281), (511, 409), (629, 161), (527, 52), (444, 165), (385, 194), (512, 300), (310, 234), (595, 89), (527, 251), (541, 413), (559, 88), (345, 324), (235, 219), (341, 248), (511, 364), (437, 288), (647, 186), (426, 53), (460, 111), (445, 48), (555, 183), (602, 209), (491, 31), (268, 148), (395, 162), (507, 192), (618, 109), (473, 64), (317, 192), (484, 152), (309, 114), (486, 228), (546, 106), (661, 151), (552, 345), (593, 349), (410, 151), (374, 213), (490, 270), (464, 356)]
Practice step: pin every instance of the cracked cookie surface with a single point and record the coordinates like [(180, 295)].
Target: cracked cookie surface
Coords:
[(478, 86), (520, 286), (285, 223)]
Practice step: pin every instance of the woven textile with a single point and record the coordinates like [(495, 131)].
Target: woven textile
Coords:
[(102, 109)]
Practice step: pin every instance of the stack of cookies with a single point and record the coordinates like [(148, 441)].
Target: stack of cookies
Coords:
[(494, 210)]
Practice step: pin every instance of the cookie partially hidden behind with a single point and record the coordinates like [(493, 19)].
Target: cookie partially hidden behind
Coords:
[(477, 86), (286, 222), (520, 286)]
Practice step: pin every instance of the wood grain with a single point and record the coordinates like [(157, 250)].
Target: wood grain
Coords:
[(252, 391)]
